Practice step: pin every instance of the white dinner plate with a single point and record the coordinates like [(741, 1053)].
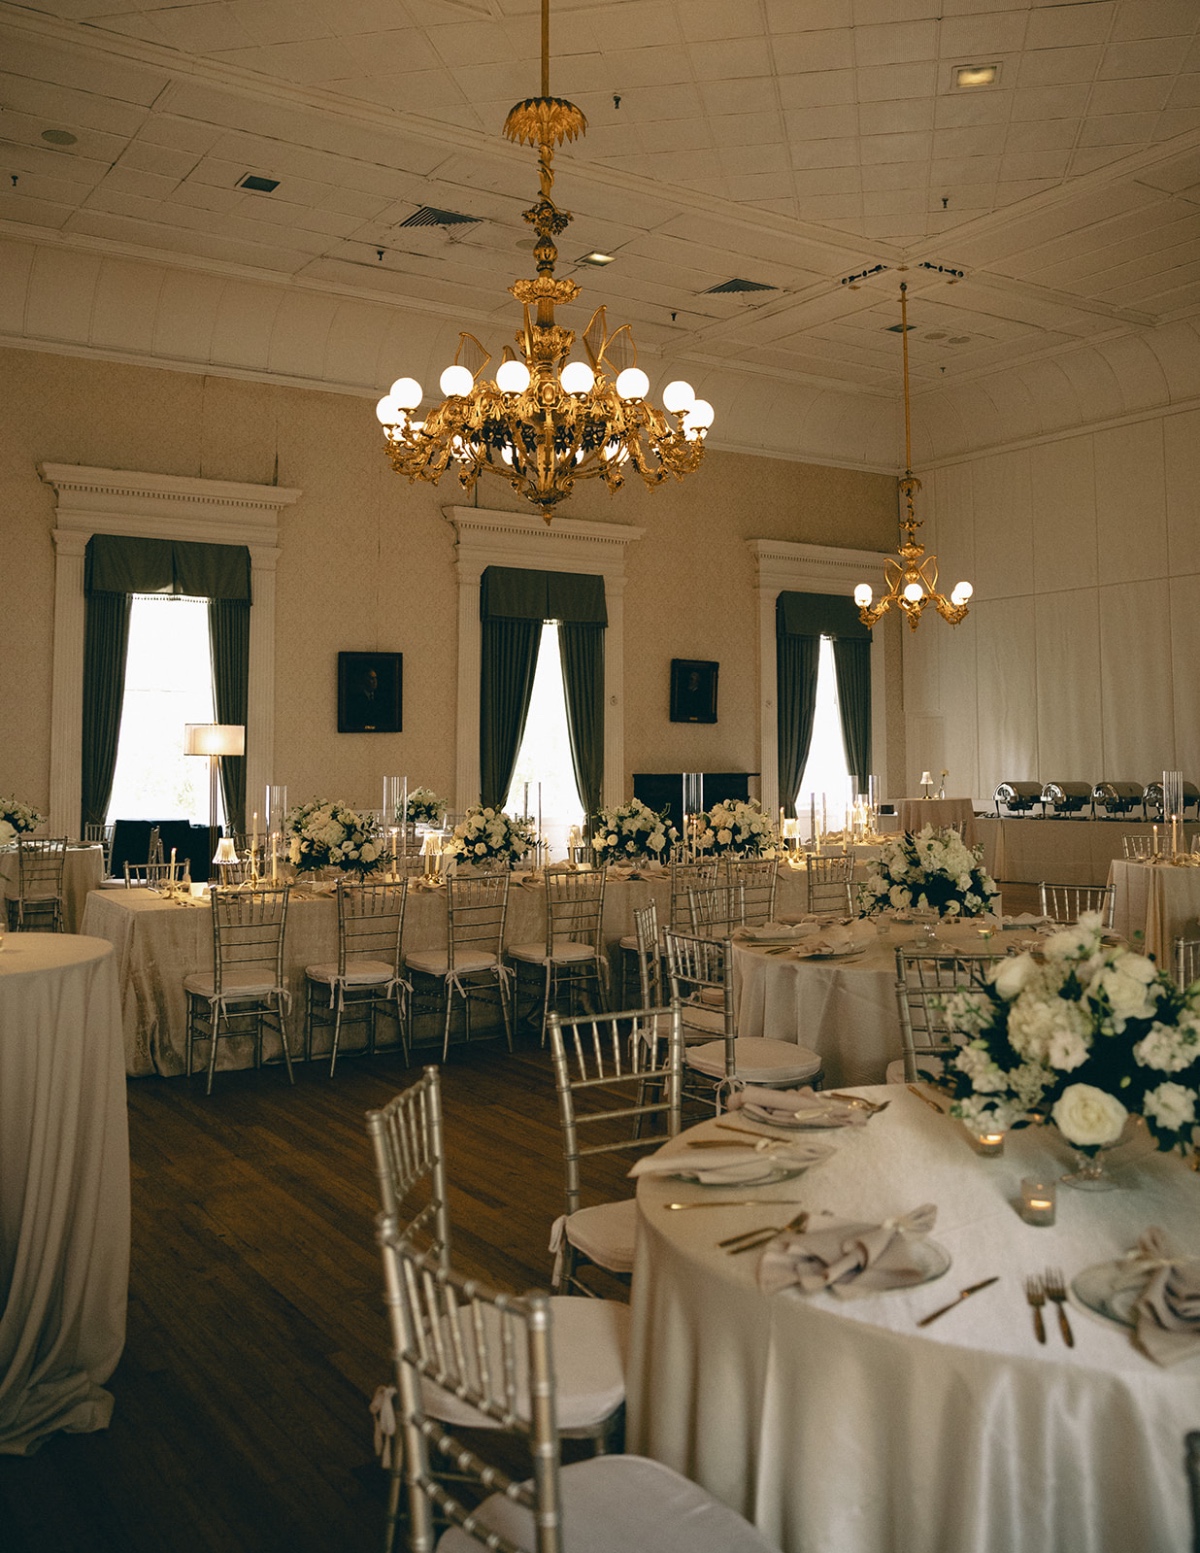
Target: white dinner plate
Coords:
[(768, 1175), (830, 954), (1106, 1291), (817, 1119)]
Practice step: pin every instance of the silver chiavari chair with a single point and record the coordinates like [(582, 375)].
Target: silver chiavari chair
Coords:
[(1187, 961), (1137, 848), (367, 977), (1066, 903), (471, 965), (758, 879), (715, 912), (39, 902), (923, 981), (572, 958), (686, 877), (829, 885)]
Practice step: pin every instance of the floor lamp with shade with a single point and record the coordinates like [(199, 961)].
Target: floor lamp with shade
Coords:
[(213, 740)]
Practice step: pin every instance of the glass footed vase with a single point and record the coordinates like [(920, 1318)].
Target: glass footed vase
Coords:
[(1091, 1172)]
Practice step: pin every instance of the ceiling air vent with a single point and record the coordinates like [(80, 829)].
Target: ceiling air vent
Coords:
[(259, 184), (728, 286), (428, 215)]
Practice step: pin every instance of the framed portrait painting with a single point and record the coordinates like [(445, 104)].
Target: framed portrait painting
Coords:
[(369, 692), (693, 690)]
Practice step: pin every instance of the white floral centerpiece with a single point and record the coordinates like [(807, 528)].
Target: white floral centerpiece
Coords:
[(320, 834), (425, 808), (630, 832), (736, 826), (16, 818), (1084, 1035), (489, 835), (933, 870)]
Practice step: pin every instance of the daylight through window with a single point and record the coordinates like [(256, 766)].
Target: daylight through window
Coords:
[(545, 753)]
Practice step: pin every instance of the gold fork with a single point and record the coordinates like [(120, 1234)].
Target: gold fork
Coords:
[(1056, 1292), (750, 1238), (1036, 1296)]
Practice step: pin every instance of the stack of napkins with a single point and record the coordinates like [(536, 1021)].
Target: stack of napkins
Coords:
[(728, 1166), (798, 1107), (1167, 1312), (852, 1259)]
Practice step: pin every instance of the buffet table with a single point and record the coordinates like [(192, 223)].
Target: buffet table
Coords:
[(1158, 901), (842, 1008), (838, 1425), (1059, 851), (64, 1186), (82, 871), (916, 813)]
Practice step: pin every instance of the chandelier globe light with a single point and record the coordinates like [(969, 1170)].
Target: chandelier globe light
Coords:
[(546, 419), (911, 575)]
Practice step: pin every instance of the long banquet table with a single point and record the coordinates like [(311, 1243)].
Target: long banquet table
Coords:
[(82, 871), (158, 943), (1077, 851), (844, 1009), (1159, 902), (836, 1425), (64, 1186)]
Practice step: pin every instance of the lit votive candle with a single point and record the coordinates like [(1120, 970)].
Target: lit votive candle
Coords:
[(1037, 1201), (990, 1142)]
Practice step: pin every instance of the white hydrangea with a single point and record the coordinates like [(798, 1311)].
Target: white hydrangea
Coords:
[(1168, 1048), (1170, 1106), (1051, 1031), (987, 1077)]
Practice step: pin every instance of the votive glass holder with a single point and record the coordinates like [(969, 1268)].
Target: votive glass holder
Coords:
[(1038, 1201), (989, 1143)]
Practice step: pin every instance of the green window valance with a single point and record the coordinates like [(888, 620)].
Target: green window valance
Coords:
[(120, 564), (818, 614), (515, 593)]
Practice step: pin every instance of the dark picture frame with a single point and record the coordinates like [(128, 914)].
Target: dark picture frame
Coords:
[(693, 690), (370, 687)]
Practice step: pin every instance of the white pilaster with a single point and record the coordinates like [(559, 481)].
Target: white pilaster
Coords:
[(66, 686)]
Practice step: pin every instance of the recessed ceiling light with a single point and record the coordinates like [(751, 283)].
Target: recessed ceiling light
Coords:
[(258, 184), (59, 137), (936, 335), (976, 75), (960, 339), (597, 259)]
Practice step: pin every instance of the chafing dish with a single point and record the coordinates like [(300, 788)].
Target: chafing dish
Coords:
[(1066, 797), (1116, 797), (1152, 798), (1017, 797)]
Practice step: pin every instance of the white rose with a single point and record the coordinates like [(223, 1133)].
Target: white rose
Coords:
[(1128, 995), (1087, 1117), (1171, 1106), (7, 833), (1010, 976), (480, 849)]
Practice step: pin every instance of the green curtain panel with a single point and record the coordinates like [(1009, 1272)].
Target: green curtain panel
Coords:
[(229, 639), (105, 641), (116, 563), (797, 660), (510, 649), (520, 593), (582, 652), (819, 614), (852, 667)]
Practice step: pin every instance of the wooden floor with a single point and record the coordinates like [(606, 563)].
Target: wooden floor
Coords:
[(256, 1327)]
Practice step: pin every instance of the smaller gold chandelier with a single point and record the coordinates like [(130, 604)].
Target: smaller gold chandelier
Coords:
[(544, 421), (912, 578)]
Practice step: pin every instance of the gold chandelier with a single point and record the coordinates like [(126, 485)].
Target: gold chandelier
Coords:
[(911, 580), (544, 421)]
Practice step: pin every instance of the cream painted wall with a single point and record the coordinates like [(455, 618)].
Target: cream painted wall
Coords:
[(1079, 658), (367, 564)]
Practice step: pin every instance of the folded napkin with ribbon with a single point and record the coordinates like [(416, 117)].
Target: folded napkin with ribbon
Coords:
[(827, 941), (719, 1166), (798, 1107), (1166, 1314), (769, 932), (851, 1259), (1024, 919)]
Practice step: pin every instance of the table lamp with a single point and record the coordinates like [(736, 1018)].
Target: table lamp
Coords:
[(213, 740)]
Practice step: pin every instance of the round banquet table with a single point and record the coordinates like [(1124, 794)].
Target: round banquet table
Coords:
[(915, 813), (64, 1186), (838, 1425), (83, 870), (844, 1009)]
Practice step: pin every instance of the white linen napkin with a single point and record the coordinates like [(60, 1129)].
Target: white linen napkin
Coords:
[(1167, 1312), (800, 1107), (851, 1259), (721, 1166)]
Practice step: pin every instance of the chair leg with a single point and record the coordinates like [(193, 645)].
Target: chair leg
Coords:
[(214, 1023), (337, 1032), (283, 1041), (449, 1008)]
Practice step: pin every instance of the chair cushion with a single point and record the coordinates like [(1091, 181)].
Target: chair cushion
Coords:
[(565, 950), (436, 962), (359, 973), (630, 941), (234, 984), (606, 1233), (615, 1502), (757, 1059), (591, 1346)]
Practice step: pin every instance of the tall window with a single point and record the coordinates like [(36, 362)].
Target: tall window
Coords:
[(168, 682), (826, 777), (544, 759)]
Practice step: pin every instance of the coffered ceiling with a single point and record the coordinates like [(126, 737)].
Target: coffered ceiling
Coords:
[(793, 144)]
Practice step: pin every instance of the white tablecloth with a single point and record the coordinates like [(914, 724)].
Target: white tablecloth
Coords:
[(1059, 851), (1158, 901), (82, 871), (838, 1425), (916, 813), (845, 1010), (159, 943), (64, 1186)]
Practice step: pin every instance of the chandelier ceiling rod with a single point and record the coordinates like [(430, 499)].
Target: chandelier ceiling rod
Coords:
[(544, 422), (911, 575)]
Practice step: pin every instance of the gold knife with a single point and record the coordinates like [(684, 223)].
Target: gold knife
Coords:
[(963, 1294), (921, 1095)]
